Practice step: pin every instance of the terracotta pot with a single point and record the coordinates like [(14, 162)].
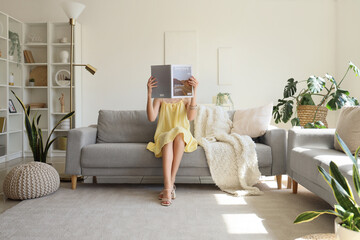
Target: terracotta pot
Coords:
[(342, 233)]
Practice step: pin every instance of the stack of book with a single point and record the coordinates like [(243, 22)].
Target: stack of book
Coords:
[(2, 124), (28, 57)]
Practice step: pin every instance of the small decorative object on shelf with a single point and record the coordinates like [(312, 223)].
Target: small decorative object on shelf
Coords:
[(64, 56), (36, 105), (63, 40), (62, 78), (0, 53), (62, 103), (31, 82), (12, 108), (11, 79), (34, 38)]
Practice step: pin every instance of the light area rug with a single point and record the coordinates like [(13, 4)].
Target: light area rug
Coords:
[(125, 211)]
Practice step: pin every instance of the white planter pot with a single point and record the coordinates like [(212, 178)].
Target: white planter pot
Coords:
[(342, 233)]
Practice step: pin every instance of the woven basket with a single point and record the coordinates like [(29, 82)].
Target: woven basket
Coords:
[(306, 114), (31, 180)]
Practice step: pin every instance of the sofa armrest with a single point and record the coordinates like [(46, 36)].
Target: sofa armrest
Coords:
[(313, 138), (77, 139), (276, 139)]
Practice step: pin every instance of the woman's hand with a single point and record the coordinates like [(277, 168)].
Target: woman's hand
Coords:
[(193, 82), (152, 83)]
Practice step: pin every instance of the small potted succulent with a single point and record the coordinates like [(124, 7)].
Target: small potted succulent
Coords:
[(31, 82), (347, 223)]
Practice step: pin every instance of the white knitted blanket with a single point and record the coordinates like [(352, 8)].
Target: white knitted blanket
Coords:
[(231, 158)]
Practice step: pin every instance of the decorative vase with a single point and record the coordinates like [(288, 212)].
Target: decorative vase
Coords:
[(342, 233), (31, 84), (306, 114), (64, 56), (11, 57)]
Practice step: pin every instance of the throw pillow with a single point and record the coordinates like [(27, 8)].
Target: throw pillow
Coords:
[(252, 122), (348, 128)]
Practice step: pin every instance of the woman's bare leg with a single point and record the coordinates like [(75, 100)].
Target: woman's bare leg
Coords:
[(167, 159), (178, 151)]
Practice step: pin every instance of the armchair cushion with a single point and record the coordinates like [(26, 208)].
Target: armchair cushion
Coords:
[(348, 128)]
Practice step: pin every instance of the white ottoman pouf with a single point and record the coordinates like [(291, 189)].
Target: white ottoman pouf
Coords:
[(31, 180)]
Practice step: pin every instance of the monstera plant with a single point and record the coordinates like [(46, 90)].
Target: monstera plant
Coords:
[(346, 208), (34, 133), (326, 88)]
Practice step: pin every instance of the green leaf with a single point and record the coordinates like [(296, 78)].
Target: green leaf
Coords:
[(309, 125), (336, 174), (354, 68), (311, 215), (295, 122), (290, 88), (339, 209), (319, 125), (307, 100), (276, 113), (345, 148), (331, 105), (343, 198), (325, 175), (287, 111), (315, 84), (356, 179)]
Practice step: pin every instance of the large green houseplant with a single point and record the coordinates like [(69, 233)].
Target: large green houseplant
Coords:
[(34, 133), (326, 88), (346, 208)]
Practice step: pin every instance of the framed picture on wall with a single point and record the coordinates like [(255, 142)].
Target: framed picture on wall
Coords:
[(12, 108)]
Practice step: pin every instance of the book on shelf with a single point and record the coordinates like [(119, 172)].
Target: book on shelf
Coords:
[(28, 56), (2, 124)]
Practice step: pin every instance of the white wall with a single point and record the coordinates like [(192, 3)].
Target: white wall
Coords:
[(273, 40)]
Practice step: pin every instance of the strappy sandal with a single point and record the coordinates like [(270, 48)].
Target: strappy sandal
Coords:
[(166, 201), (173, 194)]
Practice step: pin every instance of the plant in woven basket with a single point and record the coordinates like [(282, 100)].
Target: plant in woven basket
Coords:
[(224, 98), (34, 133), (326, 88), (15, 44), (346, 208)]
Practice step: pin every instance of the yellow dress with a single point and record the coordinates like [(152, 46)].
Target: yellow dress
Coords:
[(172, 121)]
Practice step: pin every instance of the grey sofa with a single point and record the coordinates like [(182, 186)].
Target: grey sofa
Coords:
[(116, 146), (309, 148)]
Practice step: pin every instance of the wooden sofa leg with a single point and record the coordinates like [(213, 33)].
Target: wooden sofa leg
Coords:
[(295, 186), (289, 183), (278, 180), (95, 179), (73, 182)]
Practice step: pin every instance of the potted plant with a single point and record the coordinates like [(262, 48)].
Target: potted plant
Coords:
[(329, 91), (346, 209), (224, 98), (31, 82), (34, 133), (15, 45)]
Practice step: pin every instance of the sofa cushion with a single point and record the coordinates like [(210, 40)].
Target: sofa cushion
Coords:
[(305, 161), (118, 155), (348, 128), (124, 126), (252, 122)]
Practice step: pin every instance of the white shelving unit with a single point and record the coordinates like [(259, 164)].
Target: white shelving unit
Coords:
[(43, 40)]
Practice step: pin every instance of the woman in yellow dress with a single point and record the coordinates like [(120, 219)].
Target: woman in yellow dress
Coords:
[(172, 136)]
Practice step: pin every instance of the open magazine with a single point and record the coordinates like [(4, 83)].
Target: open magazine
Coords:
[(172, 81)]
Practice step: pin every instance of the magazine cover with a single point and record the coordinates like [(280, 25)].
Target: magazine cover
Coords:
[(172, 81)]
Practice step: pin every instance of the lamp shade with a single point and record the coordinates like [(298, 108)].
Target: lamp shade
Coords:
[(72, 9)]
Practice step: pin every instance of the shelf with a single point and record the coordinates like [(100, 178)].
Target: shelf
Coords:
[(15, 114), (42, 129), (35, 87), (35, 44), (59, 113), (61, 64), (15, 131), (14, 86), (58, 151), (3, 109), (3, 85), (13, 62), (35, 64), (67, 87), (3, 59), (3, 133), (60, 44), (3, 38), (39, 109)]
